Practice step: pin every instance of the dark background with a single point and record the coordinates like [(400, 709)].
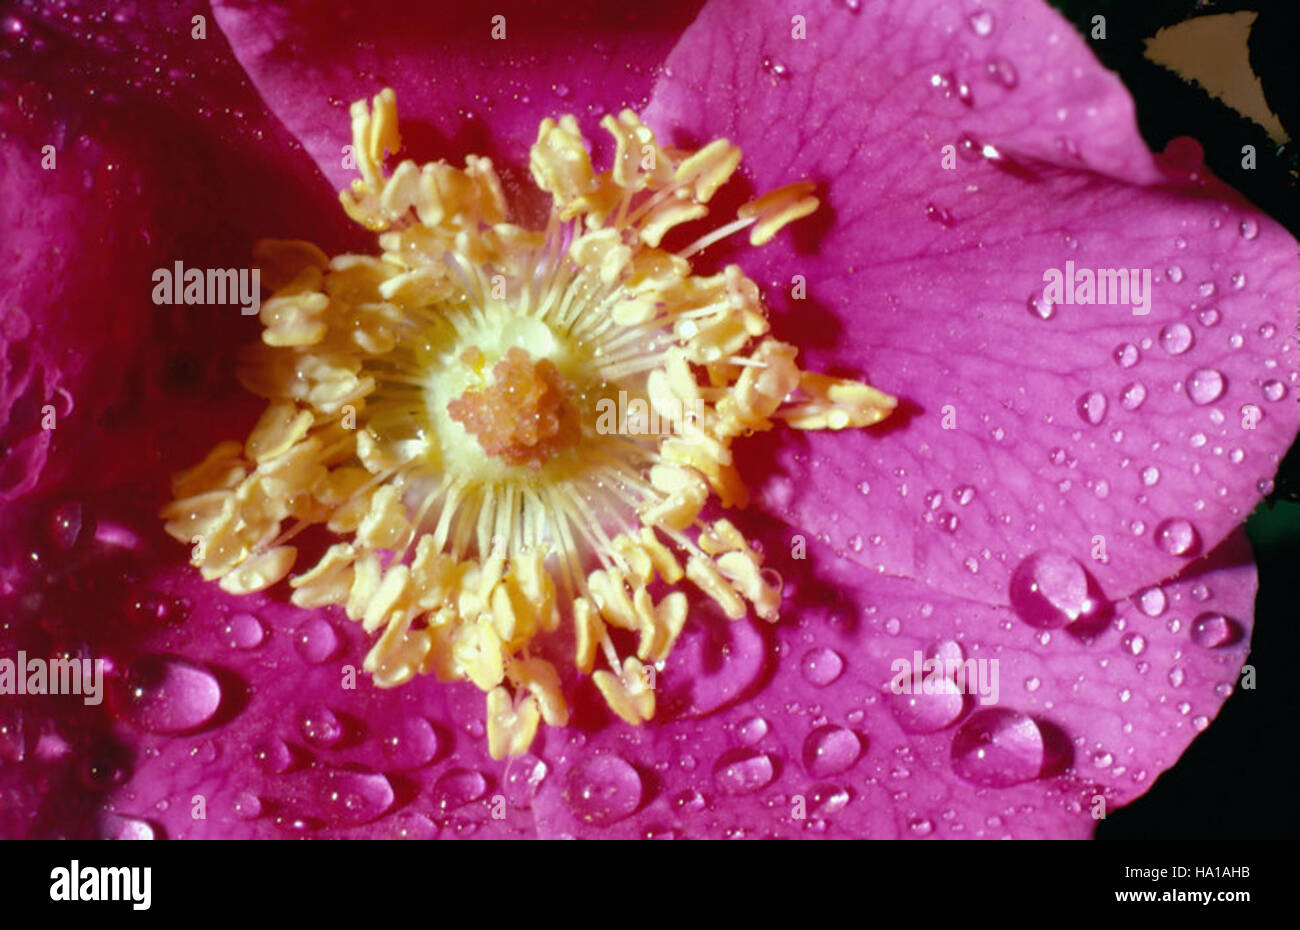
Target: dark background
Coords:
[(1238, 780)]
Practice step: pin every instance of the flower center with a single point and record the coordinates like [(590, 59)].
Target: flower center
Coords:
[(525, 415), (434, 410)]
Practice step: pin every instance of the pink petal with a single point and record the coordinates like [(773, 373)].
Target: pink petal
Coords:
[(822, 747), (922, 279), (459, 91)]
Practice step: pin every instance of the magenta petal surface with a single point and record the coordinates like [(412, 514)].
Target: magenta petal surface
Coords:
[(459, 90), (824, 747), (1132, 442)]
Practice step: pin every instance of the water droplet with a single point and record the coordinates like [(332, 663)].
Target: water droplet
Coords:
[(1214, 630), (963, 494), (742, 771), (1177, 677), (561, 90), (830, 750), (320, 726), (1041, 307), (981, 22), (775, 68), (1133, 643), (997, 748), (1150, 476), (1248, 228), (1052, 589), (1205, 386), (1206, 289), (602, 790), (1209, 317), (1274, 390), (316, 640), (117, 827), (752, 730), (1133, 396), (243, 631), (338, 797), (65, 525), (1237, 279), (1174, 273), (273, 756), (938, 214), (247, 806), (1176, 338), (1092, 407), (1126, 355), (1003, 72), (458, 787), (524, 775), (827, 800), (939, 704), (1267, 330), (166, 695), (1177, 536), (407, 743), (820, 667)]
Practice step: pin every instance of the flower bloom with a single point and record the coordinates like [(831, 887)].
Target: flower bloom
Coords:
[(1058, 489)]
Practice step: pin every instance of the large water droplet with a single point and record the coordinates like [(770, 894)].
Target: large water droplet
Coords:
[(997, 748), (602, 789), (243, 631), (1214, 630), (524, 775), (1133, 395), (117, 827), (743, 771), (338, 797), (939, 704), (1176, 338), (1092, 407), (822, 666), (829, 750), (458, 787), (1205, 386), (320, 726), (407, 743), (1177, 536), (1274, 390), (752, 730), (316, 640), (273, 756), (165, 695), (1126, 355), (1052, 589)]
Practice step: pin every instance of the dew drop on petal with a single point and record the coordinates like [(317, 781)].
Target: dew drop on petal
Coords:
[(981, 22), (458, 787), (166, 695), (320, 726), (316, 640), (602, 789), (243, 631), (1214, 630), (1133, 396), (1092, 407), (1274, 390), (997, 747), (1248, 228), (938, 705), (406, 743), (1176, 338), (742, 771), (1052, 589), (1126, 355), (273, 756), (1205, 386), (1177, 536), (752, 730), (822, 666), (830, 750)]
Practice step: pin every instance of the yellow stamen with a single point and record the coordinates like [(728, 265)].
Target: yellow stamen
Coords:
[(471, 414)]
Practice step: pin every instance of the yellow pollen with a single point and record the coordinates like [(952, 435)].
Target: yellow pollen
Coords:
[(462, 417)]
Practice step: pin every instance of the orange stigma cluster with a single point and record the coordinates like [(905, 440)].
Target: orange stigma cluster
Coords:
[(432, 411)]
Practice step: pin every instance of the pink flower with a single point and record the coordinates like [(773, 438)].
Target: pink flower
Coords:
[(1060, 491)]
